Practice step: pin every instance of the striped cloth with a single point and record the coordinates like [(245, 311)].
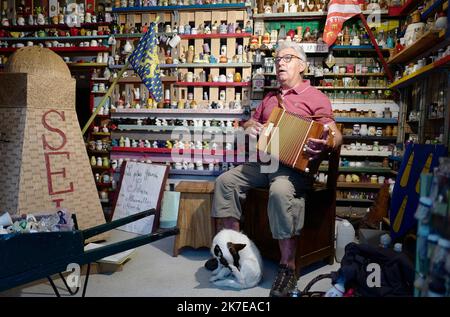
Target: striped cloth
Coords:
[(339, 11)]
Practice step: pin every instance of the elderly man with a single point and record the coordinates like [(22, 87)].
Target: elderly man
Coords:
[(286, 186)]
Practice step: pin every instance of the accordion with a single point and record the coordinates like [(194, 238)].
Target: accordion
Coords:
[(284, 137)]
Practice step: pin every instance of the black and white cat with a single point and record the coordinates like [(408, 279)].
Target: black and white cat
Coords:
[(240, 263)]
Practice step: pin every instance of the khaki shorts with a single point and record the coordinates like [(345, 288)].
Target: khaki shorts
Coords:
[(287, 188)]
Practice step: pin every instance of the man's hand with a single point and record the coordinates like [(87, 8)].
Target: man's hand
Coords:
[(317, 148), (253, 127)]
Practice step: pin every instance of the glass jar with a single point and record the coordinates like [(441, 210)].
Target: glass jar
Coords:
[(379, 131), (374, 179), (388, 130), (387, 113), (363, 131), (282, 32), (376, 147), (394, 130), (439, 258)]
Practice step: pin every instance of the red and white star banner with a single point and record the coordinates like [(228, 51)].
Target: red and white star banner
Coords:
[(339, 11)]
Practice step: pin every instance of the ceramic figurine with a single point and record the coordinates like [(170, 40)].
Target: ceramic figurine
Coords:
[(248, 27), (356, 41), (155, 144), (224, 166), (127, 142), (122, 141), (199, 145), (99, 161), (93, 161), (105, 162)]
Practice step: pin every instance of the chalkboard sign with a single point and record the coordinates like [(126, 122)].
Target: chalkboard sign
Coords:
[(140, 188)]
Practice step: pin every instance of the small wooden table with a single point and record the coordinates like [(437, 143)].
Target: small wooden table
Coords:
[(194, 215)]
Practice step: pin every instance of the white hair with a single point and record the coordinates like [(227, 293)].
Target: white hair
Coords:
[(294, 45)]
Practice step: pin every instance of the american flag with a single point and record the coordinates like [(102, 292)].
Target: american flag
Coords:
[(145, 62), (339, 11)]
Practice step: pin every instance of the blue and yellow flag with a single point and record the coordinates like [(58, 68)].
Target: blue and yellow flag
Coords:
[(145, 62)]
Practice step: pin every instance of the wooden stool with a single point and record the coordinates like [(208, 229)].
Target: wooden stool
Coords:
[(194, 215)]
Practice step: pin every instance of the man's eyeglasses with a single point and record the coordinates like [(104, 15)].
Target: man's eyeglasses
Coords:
[(286, 58)]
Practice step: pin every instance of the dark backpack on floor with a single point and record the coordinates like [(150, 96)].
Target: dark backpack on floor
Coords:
[(396, 271)]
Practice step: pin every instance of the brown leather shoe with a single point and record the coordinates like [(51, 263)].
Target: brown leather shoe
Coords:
[(285, 283)]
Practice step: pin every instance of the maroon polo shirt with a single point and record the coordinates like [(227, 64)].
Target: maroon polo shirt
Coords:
[(303, 99)]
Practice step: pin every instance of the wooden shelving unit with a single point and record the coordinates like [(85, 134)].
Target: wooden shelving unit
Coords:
[(424, 43), (403, 10), (23, 28), (366, 120), (65, 49), (213, 84), (301, 15), (222, 6), (171, 151), (359, 185), (55, 38), (86, 65), (411, 78), (214, 36), (372, 170)]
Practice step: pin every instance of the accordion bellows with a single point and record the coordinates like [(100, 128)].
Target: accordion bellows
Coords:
[(284, 138)]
